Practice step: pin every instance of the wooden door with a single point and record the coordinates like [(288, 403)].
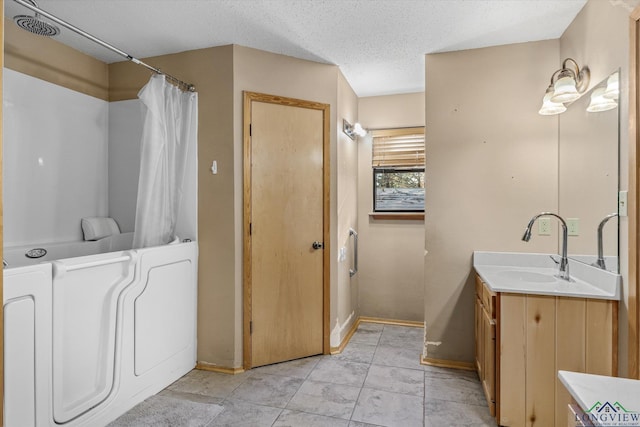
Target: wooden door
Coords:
[(285, 216), (1, 230)]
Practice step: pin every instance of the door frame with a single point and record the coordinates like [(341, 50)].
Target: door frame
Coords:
[(249, 98), (1, 229)]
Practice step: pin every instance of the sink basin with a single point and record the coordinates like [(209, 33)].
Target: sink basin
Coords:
[(536, 274), (527, 276)]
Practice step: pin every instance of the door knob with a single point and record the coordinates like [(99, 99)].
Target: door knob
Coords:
[(317, 245)]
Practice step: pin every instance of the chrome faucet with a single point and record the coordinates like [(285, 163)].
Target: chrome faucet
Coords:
[(4, 264), (600, 261), (563, 271)]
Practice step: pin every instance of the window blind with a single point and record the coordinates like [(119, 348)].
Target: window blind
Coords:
[(398, 147)]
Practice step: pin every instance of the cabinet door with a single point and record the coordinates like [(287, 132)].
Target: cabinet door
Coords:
[(489, 348), (479, 333)]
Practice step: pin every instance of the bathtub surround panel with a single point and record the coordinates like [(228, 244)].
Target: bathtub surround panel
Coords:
[(502, 163), (55, 160), (125, 133), (52, 61), (64, 67)]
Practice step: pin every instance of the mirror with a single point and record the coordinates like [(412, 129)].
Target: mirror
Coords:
[(589, 173)]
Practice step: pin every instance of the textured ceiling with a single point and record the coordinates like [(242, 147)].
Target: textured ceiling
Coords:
[(378, 44)]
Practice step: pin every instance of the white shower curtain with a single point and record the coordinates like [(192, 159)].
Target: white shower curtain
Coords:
[(170, 128)]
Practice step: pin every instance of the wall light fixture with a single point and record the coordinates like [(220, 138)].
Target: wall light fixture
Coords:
[(549, 107), (600, 102), (613, 87), (353, 130), (567, 84)]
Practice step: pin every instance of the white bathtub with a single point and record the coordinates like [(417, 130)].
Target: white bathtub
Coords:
[(15, 256), (88, 338)]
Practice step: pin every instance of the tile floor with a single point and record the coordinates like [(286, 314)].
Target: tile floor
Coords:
[(376, 381)]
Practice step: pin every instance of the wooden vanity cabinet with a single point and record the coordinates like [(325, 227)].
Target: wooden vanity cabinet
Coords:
[(576, 416), (486, 341), (522, 340)]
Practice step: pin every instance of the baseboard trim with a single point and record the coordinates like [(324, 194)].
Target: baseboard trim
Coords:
[(347, 338), (442, 363), (410, 323), (205, 366), (364, 319)]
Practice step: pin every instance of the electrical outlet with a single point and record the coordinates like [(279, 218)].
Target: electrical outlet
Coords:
[(622, 203), (544, 226), (572, 226)]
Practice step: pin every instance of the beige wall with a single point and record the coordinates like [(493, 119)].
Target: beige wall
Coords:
[(211, 71), (347, 212), (491, 165), (391, 252), (50, 60), (2, 55), (220, 75), (259, 71), (599, 37)]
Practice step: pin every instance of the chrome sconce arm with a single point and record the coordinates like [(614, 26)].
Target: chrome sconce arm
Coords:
[(580, 76)]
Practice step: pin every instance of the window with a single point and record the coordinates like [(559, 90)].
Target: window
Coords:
[(398, 170)]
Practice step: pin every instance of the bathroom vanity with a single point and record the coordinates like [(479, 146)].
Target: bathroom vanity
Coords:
[(529, 324), (598, 400)]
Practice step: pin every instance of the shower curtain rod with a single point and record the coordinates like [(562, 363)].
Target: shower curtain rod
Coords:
[(102, 43)]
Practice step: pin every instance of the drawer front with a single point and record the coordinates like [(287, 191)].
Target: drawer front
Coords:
[(479, 286), (489, 301), (575, 417), (479, 332)]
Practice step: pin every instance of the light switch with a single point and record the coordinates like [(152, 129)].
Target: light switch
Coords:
[(343, 254), (214, 167), (572, 226)]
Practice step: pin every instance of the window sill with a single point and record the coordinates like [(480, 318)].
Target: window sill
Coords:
[(403, 216)]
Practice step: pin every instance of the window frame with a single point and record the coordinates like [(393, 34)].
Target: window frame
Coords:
[(376, 170), (405, 164)]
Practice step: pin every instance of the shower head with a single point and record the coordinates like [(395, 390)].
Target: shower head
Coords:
[(36, 25)]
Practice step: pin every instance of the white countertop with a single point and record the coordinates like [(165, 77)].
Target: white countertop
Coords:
[(536, 274), (606, 401)]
